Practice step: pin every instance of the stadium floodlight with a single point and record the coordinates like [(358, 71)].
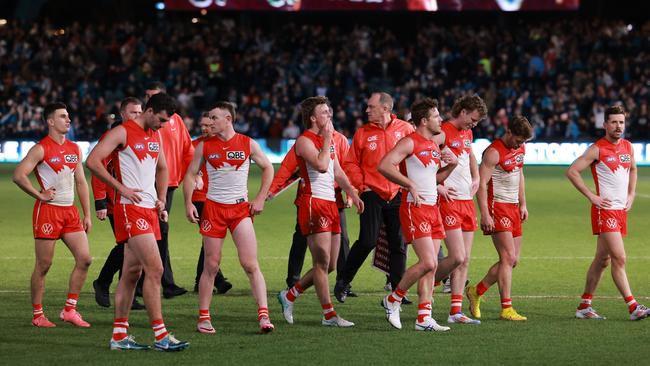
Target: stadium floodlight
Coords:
[(3, 22), (195, 20), (160, 5)]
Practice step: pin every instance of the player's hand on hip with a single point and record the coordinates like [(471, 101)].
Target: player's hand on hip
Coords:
[(448, 193), (101, 214), (601, 202), (417, 199), (47, 194), (88, 224), (192, 214), (131, 194), (523, 213), (487, 223)]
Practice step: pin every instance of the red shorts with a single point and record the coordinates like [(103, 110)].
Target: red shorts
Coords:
[(132, 220), (420, 222), (608, 221), (506, 218), (458, 214), (218, 218), (316, 215), (51, 221)]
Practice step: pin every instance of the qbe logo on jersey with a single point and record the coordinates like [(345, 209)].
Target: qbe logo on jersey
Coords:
[(235, 155), (72, 158), (153, 146), (625, 158)]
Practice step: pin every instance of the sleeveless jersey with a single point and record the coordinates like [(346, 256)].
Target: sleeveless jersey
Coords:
[(227, 164), (317, 184), (421, 167), (504, 185), (459, 142), (611, 171), (135, 163), (57, 168)]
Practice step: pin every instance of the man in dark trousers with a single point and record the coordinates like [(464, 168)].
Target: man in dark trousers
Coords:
[(370, 143)]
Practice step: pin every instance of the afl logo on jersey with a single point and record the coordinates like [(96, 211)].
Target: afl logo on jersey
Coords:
[(153, 146), (507, 162), (235, 155), (610, 159), (138, 146), (455, 144), (625, 158), (214, 156), (72, 158), (55, 160)]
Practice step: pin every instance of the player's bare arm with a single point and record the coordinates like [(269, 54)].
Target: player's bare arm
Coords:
[(631, 187), (388, 167), (573, 173), (260, 159), (115, 138), (451, 160), (523, 210), (162, 178), (306, 149), (26, 166), (473, 170), (188, 183), (489, 163), (83, 194), (350, 191)]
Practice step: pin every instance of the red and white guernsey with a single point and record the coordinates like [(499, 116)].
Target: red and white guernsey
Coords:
[(56, 170), (135, 163), (227, 164), (612, 171), (459, 142), (317, 184), (421, 168), (503, 187)]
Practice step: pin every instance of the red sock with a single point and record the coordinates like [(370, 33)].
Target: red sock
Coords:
[(294, 292), (424, 310), (585, 301), (120, 328), (328, 311), (204, 315), (506, 303), (38, 311), (631, 303), (456, 304), (397, 295), (71, 302), (481, 288), (262, 313), (159, 330)]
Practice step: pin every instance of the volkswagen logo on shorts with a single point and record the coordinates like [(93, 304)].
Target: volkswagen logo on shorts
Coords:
[(47, 228), (505, 222), (205, 225), (612, 223), (425, 227), (142, 224), (323, 222), (450, 220)]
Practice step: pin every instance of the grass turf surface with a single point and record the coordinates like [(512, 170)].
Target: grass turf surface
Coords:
[(557, 250)]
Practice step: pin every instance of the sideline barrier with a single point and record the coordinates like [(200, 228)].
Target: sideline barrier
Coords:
[(537, 153)]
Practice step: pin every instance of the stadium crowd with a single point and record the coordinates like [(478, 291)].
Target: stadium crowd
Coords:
[(561, 74)]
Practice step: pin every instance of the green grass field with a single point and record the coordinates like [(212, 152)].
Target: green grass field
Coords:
[(557, 250)]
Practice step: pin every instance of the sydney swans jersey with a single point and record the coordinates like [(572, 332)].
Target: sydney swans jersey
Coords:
[(459, 142), (135, 163), (317, 184), (421, 167), (227, 164), (612, 171), (56, 170), (504, 184)]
